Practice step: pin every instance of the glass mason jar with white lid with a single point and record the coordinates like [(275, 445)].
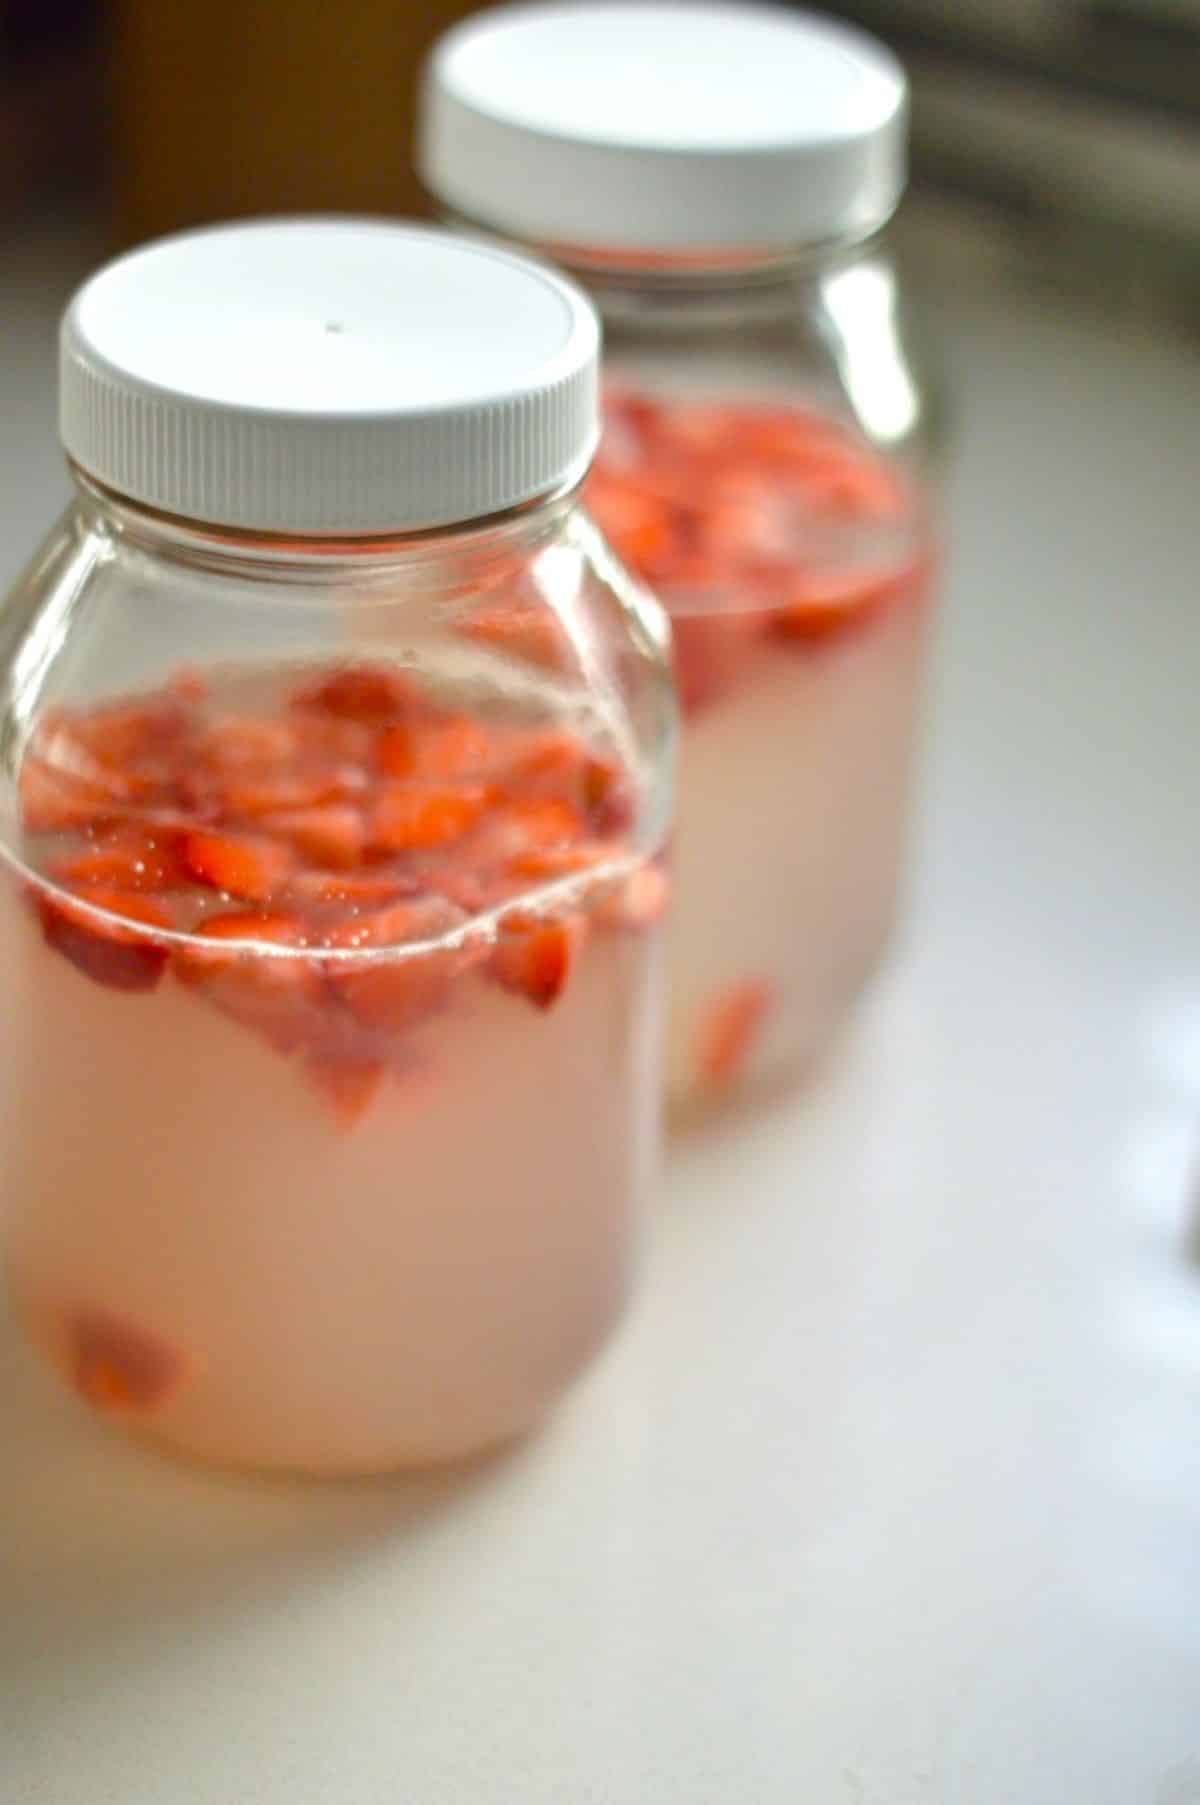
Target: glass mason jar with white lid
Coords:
[(720, 179), (336, 774)]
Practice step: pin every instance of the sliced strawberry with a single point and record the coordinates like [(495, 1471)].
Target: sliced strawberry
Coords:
[(548, 863), (365, 889), (413, 816), (350, 1086), (333, 836), (220, 938), (248, 742), (535, 824), (639, 526), (451, 748), (323, 739), (535, 957), (710, 653), (120, 1367), (525, 631), (283, 999), (250, 867), (392, 994), (607, 796), (728, 1031), (370, 694), (122, 735), (54, 801), (828, 604), (105, 950), (541, 761), (130, 856)]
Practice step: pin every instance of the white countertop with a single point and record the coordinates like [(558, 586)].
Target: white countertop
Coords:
[(889, 1492)]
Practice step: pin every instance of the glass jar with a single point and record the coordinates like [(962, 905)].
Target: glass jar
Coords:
[(335, 775), (719, 178)]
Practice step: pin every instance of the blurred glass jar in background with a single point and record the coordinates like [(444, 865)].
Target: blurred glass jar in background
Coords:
[(336, 770), (718, 177)]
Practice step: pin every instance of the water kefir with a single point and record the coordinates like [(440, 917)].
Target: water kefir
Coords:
[(794, 564), (325, 1205)]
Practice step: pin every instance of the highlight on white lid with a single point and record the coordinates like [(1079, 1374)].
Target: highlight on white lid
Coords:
[(624, 125), (328, 377)]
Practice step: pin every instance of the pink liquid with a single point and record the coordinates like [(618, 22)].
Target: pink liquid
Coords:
[(794, 562), (269, 1225), (788, 853), (417, 1288)]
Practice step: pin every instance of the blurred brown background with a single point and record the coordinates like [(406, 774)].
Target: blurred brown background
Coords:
[(1060, 138), (171, 112)]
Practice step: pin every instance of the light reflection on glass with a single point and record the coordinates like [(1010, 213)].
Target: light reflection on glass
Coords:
[(861, 304)]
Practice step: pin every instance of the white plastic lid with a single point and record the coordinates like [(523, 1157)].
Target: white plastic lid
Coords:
[(636, 126), (328, 376)]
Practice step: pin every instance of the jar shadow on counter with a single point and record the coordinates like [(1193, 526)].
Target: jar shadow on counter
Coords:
[(102, 1540)]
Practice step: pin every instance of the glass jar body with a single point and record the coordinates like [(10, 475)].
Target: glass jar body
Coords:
[(767, 471), (330, 924)]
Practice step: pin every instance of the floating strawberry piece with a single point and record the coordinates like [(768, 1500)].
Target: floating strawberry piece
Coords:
[(541, 761), (350, 1086), (522, 631), (441, 749), (453, 816), (283, 999), (535, 957), (829, 604), (323, 740), (105, 950), (716, 506), (332, 836), (54, 801), (546, 864), (728, 1031), (639, 526), (371, 694), (251, 867), (129, 856), (119, 1367), (415, 816), (124, 752), (220, 938), (537, 823), (710, 653), (358, 889), (248, 742), (391, 994)]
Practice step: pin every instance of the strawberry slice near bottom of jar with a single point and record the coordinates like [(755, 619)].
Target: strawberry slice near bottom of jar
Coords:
[(729, 1030), (534, 957), (112, 948), (120, 1367)]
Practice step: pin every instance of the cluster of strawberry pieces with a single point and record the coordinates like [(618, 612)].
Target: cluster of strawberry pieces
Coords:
[(744, 520), (267, 862)]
